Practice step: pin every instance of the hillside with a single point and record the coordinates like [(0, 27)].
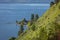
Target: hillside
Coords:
[(46, 26)]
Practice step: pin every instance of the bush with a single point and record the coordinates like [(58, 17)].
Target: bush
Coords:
[(12, 38), (36, 16), (33, 27), (51, 4)]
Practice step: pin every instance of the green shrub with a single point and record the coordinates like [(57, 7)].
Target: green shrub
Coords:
[(36, 16), (32, 17), (33, 27), (51, 4), (12, 38)]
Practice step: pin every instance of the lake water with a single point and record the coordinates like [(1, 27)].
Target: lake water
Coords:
[(9, 13)]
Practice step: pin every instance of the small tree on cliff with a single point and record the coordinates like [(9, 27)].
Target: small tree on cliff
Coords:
[(36, 17), (32, 17), (21, 29), (51, 4), (22, 23)]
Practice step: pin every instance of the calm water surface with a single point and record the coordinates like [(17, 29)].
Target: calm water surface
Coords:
[(9, 13)]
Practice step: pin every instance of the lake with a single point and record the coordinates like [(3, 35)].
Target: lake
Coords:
[(9, 13)]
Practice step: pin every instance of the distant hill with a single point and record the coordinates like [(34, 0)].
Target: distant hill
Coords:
[(46, 26)]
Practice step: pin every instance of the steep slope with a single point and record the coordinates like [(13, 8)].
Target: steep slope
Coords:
[(45, 27)]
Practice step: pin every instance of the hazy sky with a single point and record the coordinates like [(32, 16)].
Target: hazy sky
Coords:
[(25, 1)]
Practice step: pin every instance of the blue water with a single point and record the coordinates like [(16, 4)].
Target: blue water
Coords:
[(9, 13)]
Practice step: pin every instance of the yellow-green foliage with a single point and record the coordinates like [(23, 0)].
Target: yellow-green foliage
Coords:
[(45, 27), (29, 24)]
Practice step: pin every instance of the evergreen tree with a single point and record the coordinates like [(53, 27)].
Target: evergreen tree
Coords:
[(36, 16), (32, 17), (21, 29), (24, 20), (22, 23), (51, 4)]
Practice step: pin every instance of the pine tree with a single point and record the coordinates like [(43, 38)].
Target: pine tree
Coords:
[(21, 29), (32, 17), (51, 4), (22, 23), (24, 20), (36, 16)]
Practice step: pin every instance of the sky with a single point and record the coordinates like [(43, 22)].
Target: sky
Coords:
[(25, 1)]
